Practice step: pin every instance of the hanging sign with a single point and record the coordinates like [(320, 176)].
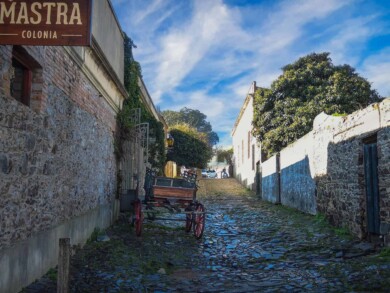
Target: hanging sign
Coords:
[(45, 22)]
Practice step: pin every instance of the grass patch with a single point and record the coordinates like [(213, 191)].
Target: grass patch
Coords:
[(341, 231), (162, 227), (385, 252), (339, 114), (52, 274), (320, 219), (95, 234)]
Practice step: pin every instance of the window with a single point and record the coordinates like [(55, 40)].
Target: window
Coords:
[(25, 68), (21, 82)]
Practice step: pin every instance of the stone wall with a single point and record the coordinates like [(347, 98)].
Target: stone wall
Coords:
[(324, 171), (341, 191), (341, 178), (57, 157)]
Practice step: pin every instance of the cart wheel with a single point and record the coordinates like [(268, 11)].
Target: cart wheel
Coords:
[(138, 217), (188, 219), (199, 221)]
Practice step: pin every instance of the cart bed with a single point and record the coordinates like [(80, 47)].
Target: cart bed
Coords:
[(173, 188), (173, 192)]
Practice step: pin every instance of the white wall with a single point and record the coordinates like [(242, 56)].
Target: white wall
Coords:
[(108, 34), (244, 162)]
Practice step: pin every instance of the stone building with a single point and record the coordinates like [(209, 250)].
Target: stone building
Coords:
[(58, 171), (246, 150)]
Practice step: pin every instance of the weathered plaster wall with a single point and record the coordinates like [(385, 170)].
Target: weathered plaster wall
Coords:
[(270, 180), (109, 36), (296, 182), (25, 261), (332, 157)]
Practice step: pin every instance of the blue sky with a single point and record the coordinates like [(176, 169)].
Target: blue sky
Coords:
[(204, 54)]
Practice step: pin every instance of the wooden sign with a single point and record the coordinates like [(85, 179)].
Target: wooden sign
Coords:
[(45, 22)]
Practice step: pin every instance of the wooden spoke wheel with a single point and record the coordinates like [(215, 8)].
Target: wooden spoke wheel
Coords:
[(188, 219), (199, 220), (138, 217)]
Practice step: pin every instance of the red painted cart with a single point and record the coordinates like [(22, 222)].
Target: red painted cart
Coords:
[(177, 195)]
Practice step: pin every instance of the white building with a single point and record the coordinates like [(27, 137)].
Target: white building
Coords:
[(246, 150)]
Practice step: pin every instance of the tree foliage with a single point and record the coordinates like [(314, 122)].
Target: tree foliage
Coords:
[(307, 87), (225, 155), (193, 118), (190, 148)]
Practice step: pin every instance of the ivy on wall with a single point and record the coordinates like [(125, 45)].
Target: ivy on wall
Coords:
[(132, 72)]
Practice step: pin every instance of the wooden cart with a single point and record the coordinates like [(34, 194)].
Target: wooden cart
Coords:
[(177, 195)]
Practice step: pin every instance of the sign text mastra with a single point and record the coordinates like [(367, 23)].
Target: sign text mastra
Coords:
[(38, 22)]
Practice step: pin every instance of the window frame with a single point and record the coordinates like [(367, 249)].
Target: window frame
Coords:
[(29, 65), (25, 97)]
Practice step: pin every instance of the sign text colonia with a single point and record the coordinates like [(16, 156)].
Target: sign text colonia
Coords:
[(38, 22)]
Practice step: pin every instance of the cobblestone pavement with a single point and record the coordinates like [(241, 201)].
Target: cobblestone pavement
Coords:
[(248, 246)]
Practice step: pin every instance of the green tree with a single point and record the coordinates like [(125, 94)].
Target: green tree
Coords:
[(307, 87), (195, 119), (190, 147), (225, 155)]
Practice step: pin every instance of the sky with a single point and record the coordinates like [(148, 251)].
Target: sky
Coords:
[(204, 54)]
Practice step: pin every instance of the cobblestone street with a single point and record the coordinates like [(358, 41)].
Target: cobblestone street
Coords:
[(248, 246)]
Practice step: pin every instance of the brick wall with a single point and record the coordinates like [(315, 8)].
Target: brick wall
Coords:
[(56, 157)]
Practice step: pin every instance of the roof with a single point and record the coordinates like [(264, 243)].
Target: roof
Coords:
[(249, 96)]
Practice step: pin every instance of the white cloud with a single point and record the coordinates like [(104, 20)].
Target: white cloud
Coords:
[(208, 44), (183, 48), (286, 24), (377, 70), (150, 9), (349, 39)]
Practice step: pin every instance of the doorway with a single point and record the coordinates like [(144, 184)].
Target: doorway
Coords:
[(372, 188)]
